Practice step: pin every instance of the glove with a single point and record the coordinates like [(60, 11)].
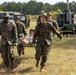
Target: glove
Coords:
[(55, 36), (15, 44), (34, 45)]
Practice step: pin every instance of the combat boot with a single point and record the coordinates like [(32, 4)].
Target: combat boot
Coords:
[(12, 64), (19, 54), (42, 68), (6, 64)]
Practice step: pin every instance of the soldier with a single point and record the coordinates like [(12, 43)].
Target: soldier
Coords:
[(21, 29), (8, 40), (43, 38), (53, 22)]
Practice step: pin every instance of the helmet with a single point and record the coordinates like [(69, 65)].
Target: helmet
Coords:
[(43, 14), (49, 14), (5, 15), (16, 17)]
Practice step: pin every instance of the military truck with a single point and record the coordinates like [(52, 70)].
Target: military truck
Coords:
[(23, 18), (66, 21)]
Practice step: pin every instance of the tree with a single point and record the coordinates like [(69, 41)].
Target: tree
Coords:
[(47, 7)]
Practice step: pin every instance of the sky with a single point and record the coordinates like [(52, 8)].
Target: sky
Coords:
[(44, 1)]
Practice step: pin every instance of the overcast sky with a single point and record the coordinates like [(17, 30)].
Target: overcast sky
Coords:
[(44, 1)]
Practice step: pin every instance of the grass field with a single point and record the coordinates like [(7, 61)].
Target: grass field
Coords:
[(61, 60)]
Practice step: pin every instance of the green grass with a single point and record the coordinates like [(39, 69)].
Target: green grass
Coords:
[(61, 60)]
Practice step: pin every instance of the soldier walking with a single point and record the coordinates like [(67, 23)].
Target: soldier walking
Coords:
[(8, 40), (43, 38), (53, 22), (21, 30)]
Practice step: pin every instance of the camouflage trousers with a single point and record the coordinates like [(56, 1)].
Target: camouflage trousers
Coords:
[(20, 49), (42, 52), (7, 54)]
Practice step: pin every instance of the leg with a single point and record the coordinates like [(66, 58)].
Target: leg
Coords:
[(4, 55), (22, 49), (19, 49), (38, 54), (5, 59), (45, 52), (11, 55)]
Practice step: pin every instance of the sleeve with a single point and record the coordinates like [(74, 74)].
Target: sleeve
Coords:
[(56, 25), (24, 30), (54, 30), (14, 33), (35, 34)]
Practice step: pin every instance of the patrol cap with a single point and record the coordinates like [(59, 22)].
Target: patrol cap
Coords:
[(49, 14), (5, 15), (17, 17)]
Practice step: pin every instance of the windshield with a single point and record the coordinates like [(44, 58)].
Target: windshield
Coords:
[(11, 16), (22, 18)]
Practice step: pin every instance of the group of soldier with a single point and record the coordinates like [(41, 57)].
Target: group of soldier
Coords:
[(12, 31)]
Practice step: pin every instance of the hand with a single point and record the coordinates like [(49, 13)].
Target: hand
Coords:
[(15, 44), (60, 36), (62, 39), (34, 45), (55, 36)]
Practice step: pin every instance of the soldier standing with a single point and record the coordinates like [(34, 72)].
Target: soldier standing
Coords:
[(43, 38), (8, 40), (21, 30)]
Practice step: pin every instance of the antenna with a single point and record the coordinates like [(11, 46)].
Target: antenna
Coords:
[(68, 4)]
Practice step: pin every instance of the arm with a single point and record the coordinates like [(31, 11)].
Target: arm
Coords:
[(54, 30), (14, 33), (35, 34), (24, 30), (56, 25)]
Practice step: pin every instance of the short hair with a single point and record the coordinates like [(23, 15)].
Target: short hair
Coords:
[(31, 30)]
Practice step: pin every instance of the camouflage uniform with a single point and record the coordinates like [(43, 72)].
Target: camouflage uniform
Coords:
[(54, 23), (21, 29), (8, 38), (43, 36)]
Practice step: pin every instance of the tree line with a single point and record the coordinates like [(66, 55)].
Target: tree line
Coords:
[(33, 7)]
